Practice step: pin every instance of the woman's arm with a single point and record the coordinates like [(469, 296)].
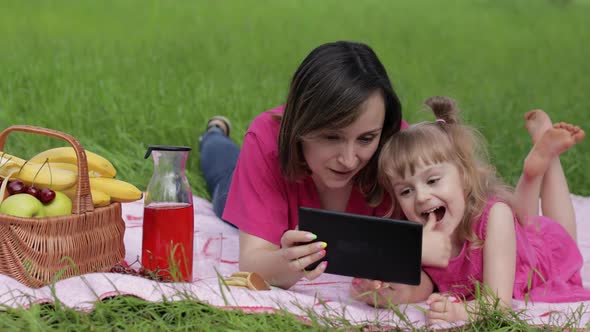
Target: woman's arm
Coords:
[(281, 266)]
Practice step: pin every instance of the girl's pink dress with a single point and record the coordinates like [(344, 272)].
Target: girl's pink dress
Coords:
[(548, 264)]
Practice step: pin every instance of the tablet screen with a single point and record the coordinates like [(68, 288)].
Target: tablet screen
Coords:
[(366, 246)]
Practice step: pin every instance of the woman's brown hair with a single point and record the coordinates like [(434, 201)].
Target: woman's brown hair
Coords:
[(327, 92)]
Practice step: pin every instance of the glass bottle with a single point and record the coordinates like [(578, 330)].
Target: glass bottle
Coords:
[(168, 225)]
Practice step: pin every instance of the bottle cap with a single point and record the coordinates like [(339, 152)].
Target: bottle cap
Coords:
[(165, 148)]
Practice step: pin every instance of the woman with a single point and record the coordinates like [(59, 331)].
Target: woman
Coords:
[(318, 150)]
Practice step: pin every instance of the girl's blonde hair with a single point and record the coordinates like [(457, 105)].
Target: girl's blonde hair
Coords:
[(445, 140)]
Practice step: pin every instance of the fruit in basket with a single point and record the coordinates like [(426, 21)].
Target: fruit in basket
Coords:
[(16, 187), (58, 206), (99, 198), (57, 169), (46, 195), (33, 191), (37, 174), (22, 205), (120, 191), (72, 168), (96, 163)]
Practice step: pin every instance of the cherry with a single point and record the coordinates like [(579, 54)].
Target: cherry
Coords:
[(46, 195), (16, 187), (33, 191)]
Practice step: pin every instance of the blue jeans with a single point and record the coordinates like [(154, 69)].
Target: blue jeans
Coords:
[(219, 155)]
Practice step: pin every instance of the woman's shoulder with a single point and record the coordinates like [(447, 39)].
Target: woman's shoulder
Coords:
[(261, 139), (267, 122), (263, 132)]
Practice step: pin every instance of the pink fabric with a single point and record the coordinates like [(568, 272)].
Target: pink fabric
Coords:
[(261, 201), (326, 296), (548, 264)]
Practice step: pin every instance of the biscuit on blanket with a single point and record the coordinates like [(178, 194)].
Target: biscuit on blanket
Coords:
[(236, 281), (250, 280), (256, 282), (241, 274)]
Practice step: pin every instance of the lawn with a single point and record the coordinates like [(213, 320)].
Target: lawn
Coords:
[(120, 75)]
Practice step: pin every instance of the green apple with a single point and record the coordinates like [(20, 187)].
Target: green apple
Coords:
[(59, 206), (22, 205)]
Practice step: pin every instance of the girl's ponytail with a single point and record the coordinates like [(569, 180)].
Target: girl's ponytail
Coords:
[(444, 108)]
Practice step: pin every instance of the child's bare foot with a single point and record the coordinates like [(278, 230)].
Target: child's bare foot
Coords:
[(537, 122), (577, 133), (555, 141)]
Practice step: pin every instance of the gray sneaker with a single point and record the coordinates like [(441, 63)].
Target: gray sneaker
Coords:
[(219, 123)]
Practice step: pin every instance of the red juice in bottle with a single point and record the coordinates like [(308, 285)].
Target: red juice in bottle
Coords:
[(167, 245)]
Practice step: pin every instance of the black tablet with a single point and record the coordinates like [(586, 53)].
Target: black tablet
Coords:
[(365, 246)]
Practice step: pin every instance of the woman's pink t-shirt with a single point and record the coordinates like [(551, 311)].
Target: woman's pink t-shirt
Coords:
[(261, 202)]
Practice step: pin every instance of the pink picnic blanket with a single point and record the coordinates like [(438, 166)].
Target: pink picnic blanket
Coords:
[(326, 296)]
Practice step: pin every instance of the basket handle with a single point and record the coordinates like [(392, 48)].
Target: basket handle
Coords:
[(83, 201)]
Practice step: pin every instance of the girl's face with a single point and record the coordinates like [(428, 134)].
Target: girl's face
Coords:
[(336, 156), (436, 188)]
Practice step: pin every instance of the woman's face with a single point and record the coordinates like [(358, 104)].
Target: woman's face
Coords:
[(336, 156)]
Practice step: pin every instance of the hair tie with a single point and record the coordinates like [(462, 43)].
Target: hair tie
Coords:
[(441, 121)]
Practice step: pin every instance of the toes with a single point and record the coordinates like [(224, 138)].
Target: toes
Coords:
[(579, 135), (531, 114)]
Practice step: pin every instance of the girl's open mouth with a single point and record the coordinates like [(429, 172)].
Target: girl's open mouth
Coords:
[(439, 213)]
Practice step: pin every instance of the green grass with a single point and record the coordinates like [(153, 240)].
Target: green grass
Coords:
[(127, 313), (120, 75)]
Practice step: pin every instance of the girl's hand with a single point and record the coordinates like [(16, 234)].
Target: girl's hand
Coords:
[(436, 245), (372, 292), (445, 308), (385, 294), (299, 253)]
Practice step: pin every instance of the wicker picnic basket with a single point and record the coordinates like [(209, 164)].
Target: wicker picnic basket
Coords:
[(39, 251)]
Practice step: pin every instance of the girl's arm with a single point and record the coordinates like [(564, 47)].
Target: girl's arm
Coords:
[(499, 253), (281, 266), (384, 294), (499, 267)]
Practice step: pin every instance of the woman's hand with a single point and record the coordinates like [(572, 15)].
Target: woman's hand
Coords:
[(299, 253), (445, 308)]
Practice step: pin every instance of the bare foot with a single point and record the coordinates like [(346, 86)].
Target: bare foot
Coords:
[(537, 122), (577, 133), (554, 141)]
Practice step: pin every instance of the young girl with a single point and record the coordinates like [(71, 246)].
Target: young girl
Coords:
[(438, 174)]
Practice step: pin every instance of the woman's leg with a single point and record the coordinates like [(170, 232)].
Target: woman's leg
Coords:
[(219, 155)]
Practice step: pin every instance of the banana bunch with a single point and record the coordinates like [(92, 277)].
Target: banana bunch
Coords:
[(33, 173), (58, 169), (250, 280), (65, 158)]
